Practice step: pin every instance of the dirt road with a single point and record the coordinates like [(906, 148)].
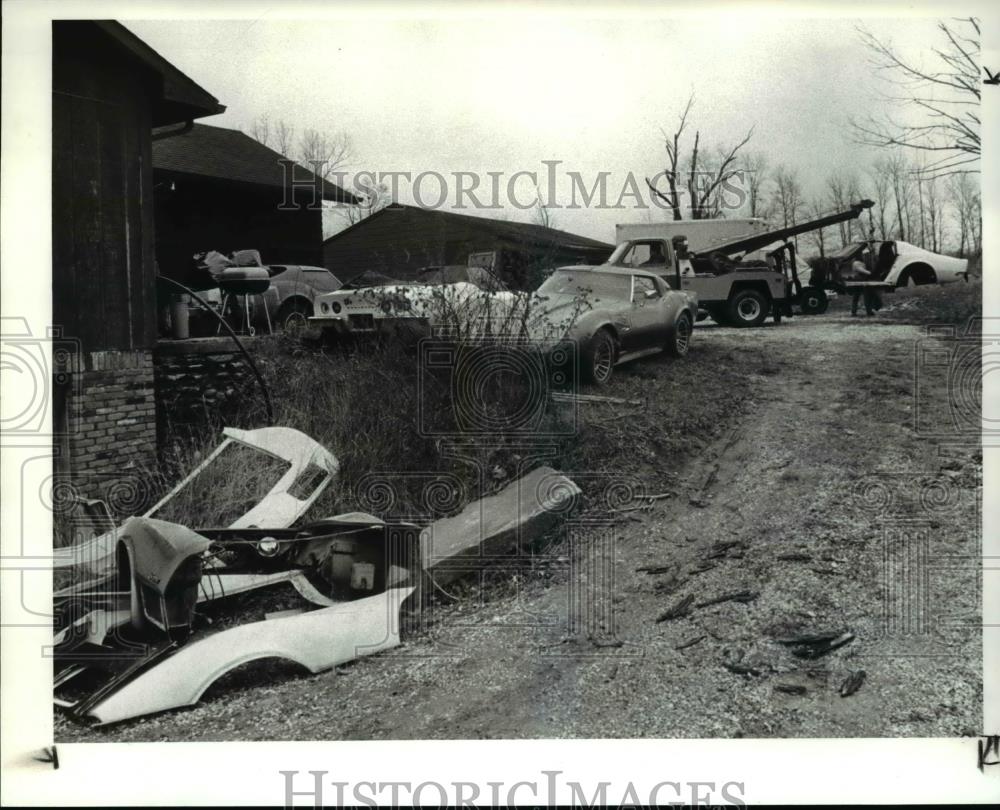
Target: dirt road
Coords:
[(822, 508)]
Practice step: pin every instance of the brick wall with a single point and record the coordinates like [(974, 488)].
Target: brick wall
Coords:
[(110, 419), (201, 384)]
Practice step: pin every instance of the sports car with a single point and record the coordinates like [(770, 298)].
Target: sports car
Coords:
[(442, 297), (611, 315), (899, 263)]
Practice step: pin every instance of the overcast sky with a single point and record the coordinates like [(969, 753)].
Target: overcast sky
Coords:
[(506, 94)]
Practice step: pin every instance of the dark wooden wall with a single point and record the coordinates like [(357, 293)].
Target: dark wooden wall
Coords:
[(196, 214), (103, 287)]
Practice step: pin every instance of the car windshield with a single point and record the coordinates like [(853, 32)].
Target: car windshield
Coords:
[(587, 282), (452, 274), (848, 250), (443, 275), (276, 270)]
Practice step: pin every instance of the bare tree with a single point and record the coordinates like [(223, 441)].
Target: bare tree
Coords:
[(965, 198), (935, 220), (672, 146), (787, 196), (898, 172), (541, 213), (260, 129), (374, 197), (881, 188), (284, 137), (324, 154), (945, 95), (815, 210), (843, 190), (705, 177), (753, 165)]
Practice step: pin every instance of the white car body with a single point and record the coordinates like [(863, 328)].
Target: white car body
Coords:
[(896, 263), (414, 305), (910, 258)]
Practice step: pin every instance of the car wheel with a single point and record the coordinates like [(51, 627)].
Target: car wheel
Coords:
[(293, 316), (599, 358), (680, 338), (748, 308), (813, 301)]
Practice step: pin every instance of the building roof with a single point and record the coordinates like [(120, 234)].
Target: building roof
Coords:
[(230, 155), (181, 98), (518, 232)]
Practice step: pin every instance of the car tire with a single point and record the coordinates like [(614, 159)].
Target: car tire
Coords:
[(293, 315), (813, 301), (748, 308), (680, 336), (598, 358)]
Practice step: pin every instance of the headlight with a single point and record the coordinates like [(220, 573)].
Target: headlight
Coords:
[(323, 307), (268, 547), (335, 307)]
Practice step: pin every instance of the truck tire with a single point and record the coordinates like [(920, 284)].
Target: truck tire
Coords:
[(680, 336), (748, 308), (813, 301), (597, 360)]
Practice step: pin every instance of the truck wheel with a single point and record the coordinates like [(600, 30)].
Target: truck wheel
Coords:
[(680, 338), (748, 308), (598, 358), (813, 301)]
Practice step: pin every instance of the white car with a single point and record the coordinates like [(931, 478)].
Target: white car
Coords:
[(899, 263), (443, 297)]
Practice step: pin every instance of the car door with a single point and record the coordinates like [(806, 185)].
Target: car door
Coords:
[(649, 316)]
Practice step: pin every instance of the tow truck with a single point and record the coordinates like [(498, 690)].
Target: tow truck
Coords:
[(739, 282)]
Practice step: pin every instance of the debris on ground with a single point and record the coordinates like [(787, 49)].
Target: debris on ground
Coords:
[(690, 642), (790, 688), (153, 626), (815, 645), (737, 596), (852, 683), (679, 609)]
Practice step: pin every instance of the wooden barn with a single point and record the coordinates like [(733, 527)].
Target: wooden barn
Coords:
[(219, 189), (400, 239), (109, 91)]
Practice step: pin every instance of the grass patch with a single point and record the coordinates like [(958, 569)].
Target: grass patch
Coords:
[(412, 431)]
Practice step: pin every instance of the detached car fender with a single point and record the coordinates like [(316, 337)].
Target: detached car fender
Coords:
[(317, 640)]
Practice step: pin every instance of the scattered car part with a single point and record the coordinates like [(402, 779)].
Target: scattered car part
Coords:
[(519, 513), (310, 471), (318, 640)]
